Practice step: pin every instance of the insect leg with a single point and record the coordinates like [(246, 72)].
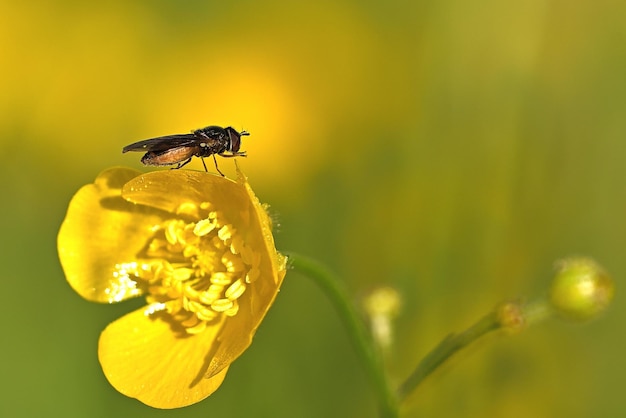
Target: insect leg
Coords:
[(181, 164), (234, 154), (202, 158), (216, 167)]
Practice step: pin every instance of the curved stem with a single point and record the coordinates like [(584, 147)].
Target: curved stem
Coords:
[(446, 348), (357, 331)]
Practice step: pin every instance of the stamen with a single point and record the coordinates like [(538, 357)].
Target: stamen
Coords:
[(217, 242), (203, 227), (220, 278), (194, 306), (222, 305), (232, 262), (225, 232), (200, 269), (190, 292), (214, 292), (235, 290), (206, 314), (187, 208), (252, 275), (233, 310), (250, 257), (170, 232), (190, 322), (186, 302), (181, 274), (236, 244), (190, 251)]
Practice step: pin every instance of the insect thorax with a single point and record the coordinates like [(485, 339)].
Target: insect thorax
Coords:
[(212, 140)]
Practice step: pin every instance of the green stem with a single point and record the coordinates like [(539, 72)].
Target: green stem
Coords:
[(357, 331), (446, 348)]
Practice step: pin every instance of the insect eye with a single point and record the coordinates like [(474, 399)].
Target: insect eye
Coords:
[(235, 140)]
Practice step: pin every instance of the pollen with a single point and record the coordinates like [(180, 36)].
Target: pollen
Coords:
[(124, 282), (200, 269)]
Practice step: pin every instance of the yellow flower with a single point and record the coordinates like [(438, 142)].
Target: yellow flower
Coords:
[(200, 248)]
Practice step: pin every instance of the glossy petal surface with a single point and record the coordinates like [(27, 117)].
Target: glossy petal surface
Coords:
[(143, 358), (100, 234)]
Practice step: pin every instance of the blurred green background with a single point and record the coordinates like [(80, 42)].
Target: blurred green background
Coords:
[(451, 149)]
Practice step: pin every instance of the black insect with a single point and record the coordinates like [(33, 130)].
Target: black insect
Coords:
[(180, 149)]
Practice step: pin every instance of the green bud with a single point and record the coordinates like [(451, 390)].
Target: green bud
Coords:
[(581, 289), (382, 306)]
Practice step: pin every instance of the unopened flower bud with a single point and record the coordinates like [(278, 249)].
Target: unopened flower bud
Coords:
[(581, 289), (382, 306)]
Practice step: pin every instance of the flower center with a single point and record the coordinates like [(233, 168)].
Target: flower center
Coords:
[(197, 271)]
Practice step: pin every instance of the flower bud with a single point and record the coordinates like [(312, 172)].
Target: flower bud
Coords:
[(581, 289), (382, 306)]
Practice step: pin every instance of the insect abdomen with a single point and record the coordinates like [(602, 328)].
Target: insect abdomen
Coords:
[(169, 157)]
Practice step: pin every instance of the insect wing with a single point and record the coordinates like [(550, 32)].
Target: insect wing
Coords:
[(163, 143)]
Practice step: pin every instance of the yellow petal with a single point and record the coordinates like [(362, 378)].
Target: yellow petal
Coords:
[(101, 236), (143, 357), (168, 190), (258, 298)]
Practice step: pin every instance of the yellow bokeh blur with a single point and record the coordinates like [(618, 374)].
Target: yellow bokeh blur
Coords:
[(449, 150)]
